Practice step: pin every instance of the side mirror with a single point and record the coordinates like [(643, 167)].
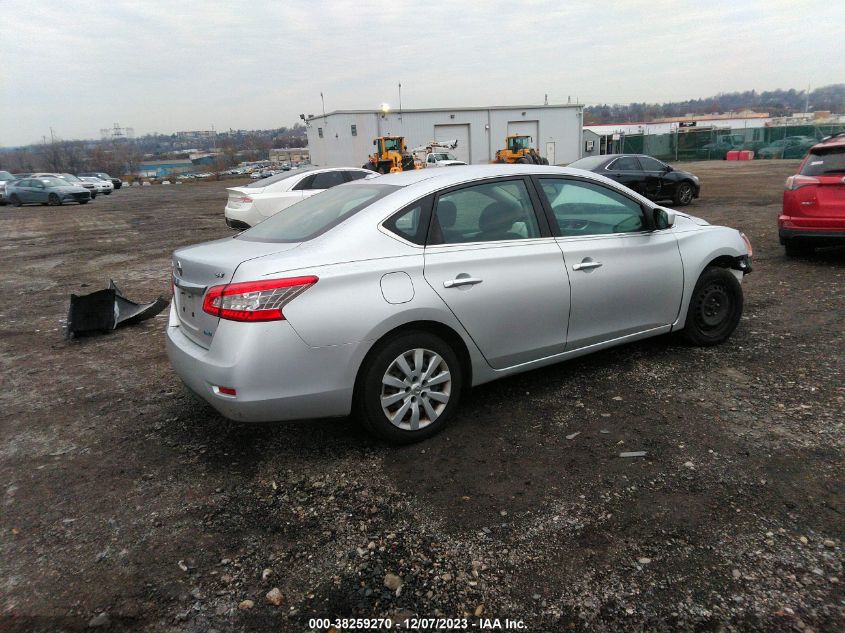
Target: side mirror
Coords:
[(663, 218), (668, 168), (374, 141)]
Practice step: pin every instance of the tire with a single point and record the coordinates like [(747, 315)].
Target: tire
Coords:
[(545, 160), (522, 160), (83, 202), (54, 200), (107, 193), (15, 201), (382, 376), (93, 195), (798, 249), (683, 194), (714, 309)]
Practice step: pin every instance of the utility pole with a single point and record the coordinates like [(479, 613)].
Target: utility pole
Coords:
[(324, 106), (400, 101), (807, 100)]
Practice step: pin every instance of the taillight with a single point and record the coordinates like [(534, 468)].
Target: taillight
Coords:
[(747, 243), (796, 182), (244, 200), (255, 300)]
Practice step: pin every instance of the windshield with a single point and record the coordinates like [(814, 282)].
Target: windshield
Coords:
[(315, 215), (519, 142), (392, 145), (445, 156), (588, 162), (825, 161), (70, 178)]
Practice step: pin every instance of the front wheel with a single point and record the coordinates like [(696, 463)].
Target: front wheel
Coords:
[(93, 195), (15, 201), (409, 387), (683, 194), (715, 308), (83, 202), (53, 200)]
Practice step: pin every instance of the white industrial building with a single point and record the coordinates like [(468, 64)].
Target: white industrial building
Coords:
[(345, 137)]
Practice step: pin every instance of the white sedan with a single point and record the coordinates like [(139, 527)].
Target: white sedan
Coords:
[(103, 186), (253, 203)]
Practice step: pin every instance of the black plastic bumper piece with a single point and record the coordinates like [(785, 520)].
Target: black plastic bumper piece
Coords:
[(104, 310)]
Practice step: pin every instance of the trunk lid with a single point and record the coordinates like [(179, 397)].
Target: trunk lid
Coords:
[(197, 268)]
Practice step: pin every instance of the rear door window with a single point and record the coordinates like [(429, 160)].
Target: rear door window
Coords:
[(327, 180), (487, 212), (821, 163), (625, 163)]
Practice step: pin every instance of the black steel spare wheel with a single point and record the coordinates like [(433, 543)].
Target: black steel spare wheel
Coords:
[(715, 307)]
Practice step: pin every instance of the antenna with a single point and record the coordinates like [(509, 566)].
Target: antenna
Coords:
[(400, 100), (324, 105)]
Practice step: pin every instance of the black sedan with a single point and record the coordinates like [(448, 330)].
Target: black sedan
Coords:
[(45, 190), (645, 175)]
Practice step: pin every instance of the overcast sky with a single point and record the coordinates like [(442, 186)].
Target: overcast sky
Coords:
[(165, 66)]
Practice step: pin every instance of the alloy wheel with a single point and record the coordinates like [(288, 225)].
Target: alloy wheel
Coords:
[(415, 389)]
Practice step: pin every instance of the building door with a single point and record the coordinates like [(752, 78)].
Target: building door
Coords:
[(459, 132), (550, 152)]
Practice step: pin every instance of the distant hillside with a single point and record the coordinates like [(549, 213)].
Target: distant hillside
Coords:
[(775, 102)]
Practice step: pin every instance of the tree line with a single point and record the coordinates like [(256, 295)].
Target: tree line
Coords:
[(775, 102)]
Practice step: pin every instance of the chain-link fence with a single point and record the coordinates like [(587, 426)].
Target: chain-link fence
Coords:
[(790, 141)]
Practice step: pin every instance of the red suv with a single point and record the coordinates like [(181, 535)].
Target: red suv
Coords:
[(814, 200)]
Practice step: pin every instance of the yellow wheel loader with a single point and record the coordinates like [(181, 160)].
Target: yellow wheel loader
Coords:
[(518, 150), (391, 156)]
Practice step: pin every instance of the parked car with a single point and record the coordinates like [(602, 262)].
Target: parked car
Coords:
[(646, 175), (789, 147), (103, 186), (390, 296), (90, 186), (117, 182), (442, 159), (257, 201), (45, 190), (814, 200), (5, 178)]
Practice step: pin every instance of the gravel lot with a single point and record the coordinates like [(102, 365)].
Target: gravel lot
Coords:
[(129, 504)]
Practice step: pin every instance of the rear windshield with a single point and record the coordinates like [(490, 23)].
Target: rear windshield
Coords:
[(588, 162), (825, 161), (4, 175), (271, 179), (315, 215)]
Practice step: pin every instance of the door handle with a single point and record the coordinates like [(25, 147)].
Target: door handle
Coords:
[(586, 265), (461, 281)]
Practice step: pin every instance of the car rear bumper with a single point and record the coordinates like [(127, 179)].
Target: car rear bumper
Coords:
[(819, 235), (275, 374), (241, 217)]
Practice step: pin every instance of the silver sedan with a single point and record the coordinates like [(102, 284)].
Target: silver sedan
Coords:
[(389, 297)]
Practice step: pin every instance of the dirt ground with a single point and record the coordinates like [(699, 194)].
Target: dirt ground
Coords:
[(128, 504)]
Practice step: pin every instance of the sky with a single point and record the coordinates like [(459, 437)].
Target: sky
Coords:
[(80, 66)]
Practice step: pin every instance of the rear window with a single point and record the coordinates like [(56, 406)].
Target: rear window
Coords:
[(825, 161), (271, 179), (4, 175), (588, 162), (315, 215)]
